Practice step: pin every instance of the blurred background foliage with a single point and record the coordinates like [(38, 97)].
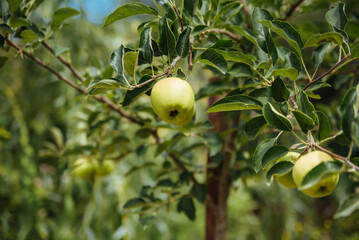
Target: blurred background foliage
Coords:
[(45, 126)]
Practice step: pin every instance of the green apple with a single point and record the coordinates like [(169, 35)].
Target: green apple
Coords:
[(307, 163), (287, 179), (105, 168), (173, 101), (84, 168)]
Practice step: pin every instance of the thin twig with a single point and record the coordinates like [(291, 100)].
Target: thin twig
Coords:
[(182, 167), (66, 63), (328, 72), (190, 63), (104, 100), (293, 8), (344, 159), (179, 16), (44, 65)]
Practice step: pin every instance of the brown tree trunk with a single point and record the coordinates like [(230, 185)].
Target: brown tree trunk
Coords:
[(218, 181)]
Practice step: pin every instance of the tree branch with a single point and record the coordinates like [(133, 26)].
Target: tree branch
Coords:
[(182, 167), (104, 100), (328, 72), (179, 16), (66, 63), (293, 8), (343, 159)]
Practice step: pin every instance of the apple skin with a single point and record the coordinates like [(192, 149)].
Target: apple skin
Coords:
[(287, 179), (173, 101), (105, 168), (84, 168), (307, 163)]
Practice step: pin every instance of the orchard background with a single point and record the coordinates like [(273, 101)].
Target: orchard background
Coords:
[(269, 77)]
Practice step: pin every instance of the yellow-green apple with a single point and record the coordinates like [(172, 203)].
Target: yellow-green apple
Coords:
[(84, 168), (305, 164), (173, 100), (287, 179), (105, 167)]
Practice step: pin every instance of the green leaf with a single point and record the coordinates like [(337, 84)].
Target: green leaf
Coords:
[(355, 131), (117, 63), (337, 19), (6, 28), (62, 14), (222, 43), (214, 59), (319, 172), (4, 10), (279, 169), (318, 39), (292, 61), (240, 70), (284, 72), (305, 106), (199, 191), (235, 103), (146, 44), (236, 56), (261, 149), (105, 85), (348, 100), (261, 32), (254, 126), (128, 10), (189, 6), (324, 128), (167, 40), (130, 63), (3, 60), (243, 32), (319, 53), (16, 22), (28, 36), (211, 89), (347, 112), (272, 154), (135, 202), (132, 95), (287, 32), (186, 205), (348, 206), (317, 85), (199, 29), (276, 119), (279, 90), (225, 8), (57, 136), (183, 43), (14, 4), (304, 121), (355, 51)]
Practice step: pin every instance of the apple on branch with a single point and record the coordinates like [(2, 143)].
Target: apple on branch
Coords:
[(173, 101)]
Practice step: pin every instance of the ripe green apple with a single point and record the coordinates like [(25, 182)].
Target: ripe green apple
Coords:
[(105, 168), (287, 179), (84, 168), (307, 163), (173, 101)]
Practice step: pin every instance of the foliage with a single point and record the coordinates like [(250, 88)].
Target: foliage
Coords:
[(280, 76)]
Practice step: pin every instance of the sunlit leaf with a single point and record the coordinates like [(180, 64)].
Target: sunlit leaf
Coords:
[(128, 10), (62, 14)]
